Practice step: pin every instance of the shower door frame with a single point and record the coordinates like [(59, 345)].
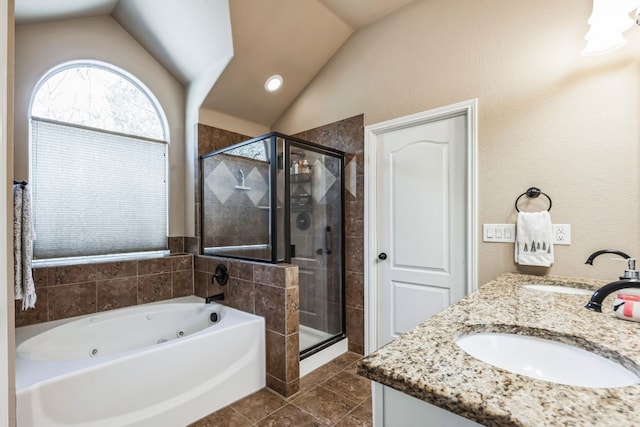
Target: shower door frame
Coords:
[(275, 163), (273, 197), (306, 145)]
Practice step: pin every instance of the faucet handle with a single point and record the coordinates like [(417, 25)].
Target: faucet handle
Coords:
[(630, 272)]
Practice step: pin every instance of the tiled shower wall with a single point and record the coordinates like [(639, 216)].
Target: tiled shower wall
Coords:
[(269, 290), (231, 216), (348, 136)]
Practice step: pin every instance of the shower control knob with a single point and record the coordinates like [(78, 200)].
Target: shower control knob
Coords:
[(382, 256)]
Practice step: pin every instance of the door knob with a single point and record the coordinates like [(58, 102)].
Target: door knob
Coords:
[(382, 256)]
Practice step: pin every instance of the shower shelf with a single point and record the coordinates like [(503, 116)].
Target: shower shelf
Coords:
[(268, 207), (300, 177)]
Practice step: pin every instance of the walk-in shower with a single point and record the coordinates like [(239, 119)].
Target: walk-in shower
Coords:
[(276, 198)]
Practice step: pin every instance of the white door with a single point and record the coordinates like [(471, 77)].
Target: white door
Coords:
[(421, 217)]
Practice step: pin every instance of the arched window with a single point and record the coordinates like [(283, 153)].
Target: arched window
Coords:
[(98, 164)]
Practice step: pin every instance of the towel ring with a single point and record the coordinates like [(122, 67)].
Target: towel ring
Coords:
[(533, 192)]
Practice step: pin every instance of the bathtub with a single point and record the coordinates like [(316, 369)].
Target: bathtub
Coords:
[(164, 364)]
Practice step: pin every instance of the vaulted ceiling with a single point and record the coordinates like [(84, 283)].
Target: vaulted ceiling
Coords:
[(293, 38)]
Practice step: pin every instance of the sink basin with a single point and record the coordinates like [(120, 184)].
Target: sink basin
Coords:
[(559, 289), (546, 360)]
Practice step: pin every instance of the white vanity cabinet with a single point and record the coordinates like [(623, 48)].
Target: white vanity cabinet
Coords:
[(392, 408)]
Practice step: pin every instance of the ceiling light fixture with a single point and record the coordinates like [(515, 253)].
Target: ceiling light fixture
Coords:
[(609, 19), (273, 83)]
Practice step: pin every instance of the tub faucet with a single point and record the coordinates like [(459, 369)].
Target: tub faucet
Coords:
[(212, 298), (630, 279)]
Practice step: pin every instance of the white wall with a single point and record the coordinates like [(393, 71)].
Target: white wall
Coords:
[(548, 117), (41, 47)]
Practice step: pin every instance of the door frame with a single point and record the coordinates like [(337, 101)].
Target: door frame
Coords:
[(7, 327), (371, 134)]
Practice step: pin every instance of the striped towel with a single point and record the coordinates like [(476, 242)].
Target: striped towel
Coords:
[(23, 237)]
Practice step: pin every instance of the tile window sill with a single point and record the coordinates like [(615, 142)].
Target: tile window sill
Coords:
[(134, 256)]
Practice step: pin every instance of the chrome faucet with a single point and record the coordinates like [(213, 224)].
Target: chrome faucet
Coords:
[(630, 279)]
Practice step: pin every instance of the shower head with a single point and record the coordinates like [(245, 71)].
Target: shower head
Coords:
[(242, 186)]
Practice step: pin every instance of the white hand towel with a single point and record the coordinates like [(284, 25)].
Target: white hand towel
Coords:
[(534, 239)]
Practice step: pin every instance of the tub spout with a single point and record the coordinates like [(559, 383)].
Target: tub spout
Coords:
[(595, 303), (212, 298)]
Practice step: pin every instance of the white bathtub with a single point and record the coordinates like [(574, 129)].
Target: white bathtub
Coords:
[(161, 364)]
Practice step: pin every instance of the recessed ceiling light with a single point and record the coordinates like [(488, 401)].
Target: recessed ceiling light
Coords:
[(273, 83)]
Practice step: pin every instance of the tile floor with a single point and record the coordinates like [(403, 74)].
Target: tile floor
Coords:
[(332, 395)]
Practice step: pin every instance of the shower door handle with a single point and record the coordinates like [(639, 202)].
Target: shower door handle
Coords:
[(326, 249)]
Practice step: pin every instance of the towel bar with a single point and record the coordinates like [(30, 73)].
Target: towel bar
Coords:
[(533, 192)]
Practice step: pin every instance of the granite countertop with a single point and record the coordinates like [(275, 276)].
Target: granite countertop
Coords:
[(427, 364)]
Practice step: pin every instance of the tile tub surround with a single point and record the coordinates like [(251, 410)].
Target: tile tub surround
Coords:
[(427, 364), (74, 290), (268, 290)]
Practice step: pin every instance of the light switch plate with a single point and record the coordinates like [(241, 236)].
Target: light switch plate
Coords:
[(506, 233), (499, 233)]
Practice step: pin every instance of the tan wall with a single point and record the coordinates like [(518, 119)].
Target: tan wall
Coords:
[(234, 124), (41, 47), (548, 117)]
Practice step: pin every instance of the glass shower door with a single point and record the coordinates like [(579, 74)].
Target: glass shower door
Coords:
[(315, 195)]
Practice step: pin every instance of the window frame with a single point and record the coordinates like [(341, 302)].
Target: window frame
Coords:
[(138, 84)]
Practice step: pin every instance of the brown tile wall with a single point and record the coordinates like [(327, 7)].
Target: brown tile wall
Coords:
[(348, 135), (268, 290), (209, 139), (74, 290)]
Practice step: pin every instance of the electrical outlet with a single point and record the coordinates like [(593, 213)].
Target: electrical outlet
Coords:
[(561, 234)]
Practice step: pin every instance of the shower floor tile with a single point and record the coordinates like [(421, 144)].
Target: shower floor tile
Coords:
[(332, 395)]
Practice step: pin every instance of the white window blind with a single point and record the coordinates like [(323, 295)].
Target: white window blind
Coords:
[(96, 192)]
